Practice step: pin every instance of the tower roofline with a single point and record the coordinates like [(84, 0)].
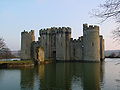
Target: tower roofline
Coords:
[(90, 27), (56, 28)]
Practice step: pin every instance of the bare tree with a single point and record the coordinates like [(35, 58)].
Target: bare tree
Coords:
[(112, 55), (110, 9), (4, 51), (2, 43)]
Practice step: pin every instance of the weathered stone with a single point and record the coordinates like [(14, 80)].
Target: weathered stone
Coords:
[(26, 40), (91, 44), (57, 44)]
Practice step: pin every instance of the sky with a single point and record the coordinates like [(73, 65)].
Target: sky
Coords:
[(19, 15)]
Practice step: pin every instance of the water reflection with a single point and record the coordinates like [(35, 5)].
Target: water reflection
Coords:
[(63, 76), (47, 76), (27, 79), (70, 76), (102, 74), (91, 78)]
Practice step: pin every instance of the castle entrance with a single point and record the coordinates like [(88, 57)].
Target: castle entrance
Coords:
[(40, 54), (54, 55)]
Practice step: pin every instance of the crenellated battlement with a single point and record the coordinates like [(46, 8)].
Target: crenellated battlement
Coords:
[(90, 27), (26, 32), (56, 30), (28, 35), (76, 40), (31, 32)]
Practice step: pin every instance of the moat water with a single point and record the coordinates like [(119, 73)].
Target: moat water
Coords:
[(64, 76)]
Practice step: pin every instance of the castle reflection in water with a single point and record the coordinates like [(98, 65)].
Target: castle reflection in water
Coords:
[(63, 76)]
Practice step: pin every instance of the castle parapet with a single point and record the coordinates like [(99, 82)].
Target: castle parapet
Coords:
[(90, 27), (75, 40), (56, 30), (26, 32), (31, 32)]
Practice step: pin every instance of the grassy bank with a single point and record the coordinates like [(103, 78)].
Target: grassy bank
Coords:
[(17, 62)]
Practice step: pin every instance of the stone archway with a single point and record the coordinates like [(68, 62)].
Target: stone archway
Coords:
[(40, 54)]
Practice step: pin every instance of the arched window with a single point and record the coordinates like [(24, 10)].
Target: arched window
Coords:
[(92, 44)]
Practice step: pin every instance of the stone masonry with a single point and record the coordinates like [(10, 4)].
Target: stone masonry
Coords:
[(56, 44), (26, 39)]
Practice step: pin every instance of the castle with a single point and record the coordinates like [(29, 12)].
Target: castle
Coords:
[(56, 44)]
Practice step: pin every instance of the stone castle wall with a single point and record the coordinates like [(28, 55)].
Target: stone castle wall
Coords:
[(26, 39), (91, 43), (55, 41), (102, 47), (76, 49), (57, 44), (62, 43)]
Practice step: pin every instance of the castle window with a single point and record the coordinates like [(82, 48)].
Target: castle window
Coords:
[(82, 46), (60, 35), (46, 44), (92, 44)]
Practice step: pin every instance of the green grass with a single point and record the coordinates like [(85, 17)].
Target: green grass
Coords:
[(28, 61)]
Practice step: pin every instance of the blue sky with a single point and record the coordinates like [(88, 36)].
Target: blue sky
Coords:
[(19, 15)]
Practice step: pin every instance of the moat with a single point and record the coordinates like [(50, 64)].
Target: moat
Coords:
[(64, 76)]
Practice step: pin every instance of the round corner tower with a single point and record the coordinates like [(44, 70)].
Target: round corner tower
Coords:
[(26, 40), (91, 43)]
